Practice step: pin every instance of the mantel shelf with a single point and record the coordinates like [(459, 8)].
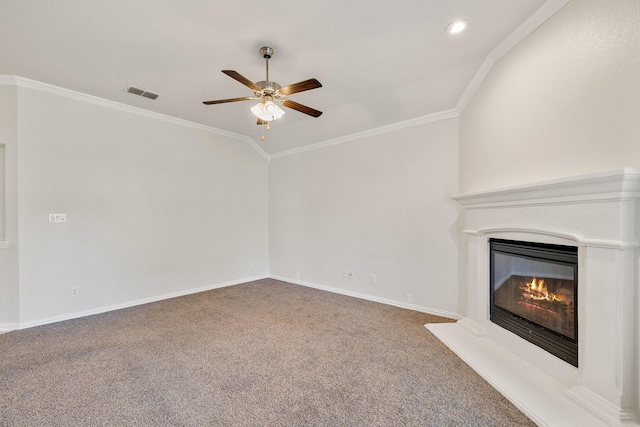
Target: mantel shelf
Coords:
[(619, 184)]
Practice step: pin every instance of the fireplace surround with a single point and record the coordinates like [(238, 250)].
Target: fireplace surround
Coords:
[(597, 214)]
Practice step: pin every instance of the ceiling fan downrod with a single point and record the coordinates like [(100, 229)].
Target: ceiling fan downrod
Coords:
[(267, 53)]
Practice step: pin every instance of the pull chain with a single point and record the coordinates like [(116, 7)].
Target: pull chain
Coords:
[(263, 126)]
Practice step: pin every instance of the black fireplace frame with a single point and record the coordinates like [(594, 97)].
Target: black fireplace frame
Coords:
[(562, 346)]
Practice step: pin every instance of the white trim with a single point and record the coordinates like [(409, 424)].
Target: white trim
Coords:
[(474, 84), (435, 117), (83, 97), (540, 16), (69, 316), (4, 245), (258, 148), (408, 306), (618, 184), (579, 238), (8, 327)]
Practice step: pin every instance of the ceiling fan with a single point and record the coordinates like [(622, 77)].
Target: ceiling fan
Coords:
[(271, 94)]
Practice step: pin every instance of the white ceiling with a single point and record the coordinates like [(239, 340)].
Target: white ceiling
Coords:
[(380, 62)]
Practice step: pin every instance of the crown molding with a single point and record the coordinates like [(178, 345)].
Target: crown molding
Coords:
[(474, 84), (6, 80), (435, 117), (539, 17)]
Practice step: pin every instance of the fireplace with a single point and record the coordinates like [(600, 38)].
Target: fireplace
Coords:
[(534, 293), (598, 214)]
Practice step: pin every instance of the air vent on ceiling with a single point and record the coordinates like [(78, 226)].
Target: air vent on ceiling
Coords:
[(142, 92)]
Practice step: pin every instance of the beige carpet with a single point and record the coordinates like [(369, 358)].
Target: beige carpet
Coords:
[(264, 353)]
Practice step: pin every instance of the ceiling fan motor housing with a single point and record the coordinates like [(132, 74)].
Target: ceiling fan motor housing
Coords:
[(268, 87)]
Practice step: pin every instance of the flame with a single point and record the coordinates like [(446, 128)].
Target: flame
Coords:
[(537, 290)]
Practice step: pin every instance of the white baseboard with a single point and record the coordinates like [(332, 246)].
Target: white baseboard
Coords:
[(401, 304), (7, 327)]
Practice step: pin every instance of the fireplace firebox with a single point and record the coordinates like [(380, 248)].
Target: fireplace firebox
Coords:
[(534, 294)]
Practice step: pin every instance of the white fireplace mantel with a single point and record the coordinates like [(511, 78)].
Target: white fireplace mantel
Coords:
[(598, 213), (619, 184)]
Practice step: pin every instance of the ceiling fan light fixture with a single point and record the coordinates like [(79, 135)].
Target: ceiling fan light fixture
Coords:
[(457, 27), (267, 110)]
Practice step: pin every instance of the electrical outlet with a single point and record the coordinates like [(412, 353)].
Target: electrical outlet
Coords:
[(74, 292), (297, 276), (373, 278), (57, 217), (251, 265), (410, 298)]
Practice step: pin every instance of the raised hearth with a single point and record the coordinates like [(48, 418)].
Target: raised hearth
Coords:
[(598, 215)]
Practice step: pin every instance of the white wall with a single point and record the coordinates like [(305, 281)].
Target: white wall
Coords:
[(9, 292), (153, 207), (379, 206), (563, 102)]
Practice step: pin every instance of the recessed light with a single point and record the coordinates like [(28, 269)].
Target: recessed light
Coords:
[(457, 26)]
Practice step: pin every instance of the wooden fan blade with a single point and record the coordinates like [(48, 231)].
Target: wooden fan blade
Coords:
[(262, 122), (222, 101), (300, 87), (302, 108), (242, 79)]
